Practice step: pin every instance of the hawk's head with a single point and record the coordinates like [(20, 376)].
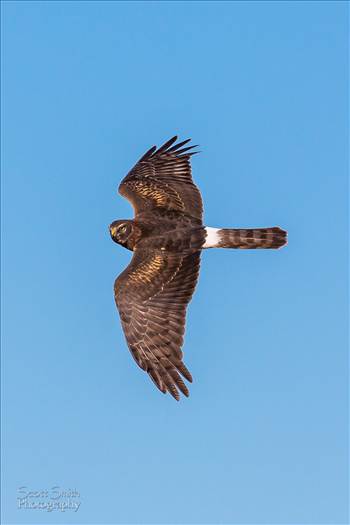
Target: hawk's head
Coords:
[(122, 232)]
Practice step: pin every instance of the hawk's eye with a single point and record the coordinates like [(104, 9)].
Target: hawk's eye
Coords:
[(123, 229)]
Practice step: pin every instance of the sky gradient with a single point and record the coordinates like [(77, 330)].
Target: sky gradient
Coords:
[(262, 87)]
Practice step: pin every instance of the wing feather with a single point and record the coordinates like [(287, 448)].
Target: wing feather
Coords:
[(162, 178), (153, 316)]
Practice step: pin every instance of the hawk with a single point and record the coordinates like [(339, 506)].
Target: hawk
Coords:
[(166, 237)]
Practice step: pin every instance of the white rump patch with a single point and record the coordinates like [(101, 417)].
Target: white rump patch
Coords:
[(212, 238)]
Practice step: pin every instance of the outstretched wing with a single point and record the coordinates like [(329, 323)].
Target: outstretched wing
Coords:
[(152, 295), (162, 179)]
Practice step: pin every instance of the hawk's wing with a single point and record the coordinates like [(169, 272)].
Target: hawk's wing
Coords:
[(152, 295), (162, 179)]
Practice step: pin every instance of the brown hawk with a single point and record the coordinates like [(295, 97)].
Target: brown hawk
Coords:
[(167, 236)]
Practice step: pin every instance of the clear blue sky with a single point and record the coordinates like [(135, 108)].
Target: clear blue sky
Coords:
[(261, 86)]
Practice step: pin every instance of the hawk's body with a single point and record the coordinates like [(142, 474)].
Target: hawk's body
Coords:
[(167, 236)]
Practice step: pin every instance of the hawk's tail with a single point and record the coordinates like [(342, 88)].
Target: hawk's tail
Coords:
[(245, 238)]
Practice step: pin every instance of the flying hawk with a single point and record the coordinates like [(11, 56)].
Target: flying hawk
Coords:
[(167, 236)]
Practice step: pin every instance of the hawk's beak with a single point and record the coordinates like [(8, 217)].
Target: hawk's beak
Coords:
[(112, 231)]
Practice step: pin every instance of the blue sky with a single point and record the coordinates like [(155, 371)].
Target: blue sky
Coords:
[(262, 87)]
